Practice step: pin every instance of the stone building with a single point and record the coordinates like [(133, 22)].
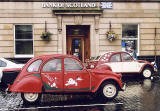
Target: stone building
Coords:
[(84, 29)]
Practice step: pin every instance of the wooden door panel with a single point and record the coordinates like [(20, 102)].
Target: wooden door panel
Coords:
[(69, 44), (87, 48)]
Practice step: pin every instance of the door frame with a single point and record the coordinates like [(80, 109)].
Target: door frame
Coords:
[(86, 50)]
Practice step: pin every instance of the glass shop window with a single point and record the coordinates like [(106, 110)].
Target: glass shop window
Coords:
[(23, 40), (130, 38)]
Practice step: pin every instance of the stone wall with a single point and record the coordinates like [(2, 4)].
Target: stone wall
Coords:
[(146, 14), (12, 13)]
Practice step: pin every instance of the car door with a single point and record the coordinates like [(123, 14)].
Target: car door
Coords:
[(115, 63), (76, 77), (128, 64), (52, 75)]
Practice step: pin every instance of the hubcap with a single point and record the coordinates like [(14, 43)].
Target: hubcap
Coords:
[(31, 96), (146, 73), (109, 90)]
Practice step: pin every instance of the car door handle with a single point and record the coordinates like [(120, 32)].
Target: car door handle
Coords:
[(77, 76)]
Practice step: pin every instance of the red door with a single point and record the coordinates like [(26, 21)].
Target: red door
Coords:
[(52, 75), (76, 78)]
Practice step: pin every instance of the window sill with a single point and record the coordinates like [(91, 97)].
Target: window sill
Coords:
[(23, 56)]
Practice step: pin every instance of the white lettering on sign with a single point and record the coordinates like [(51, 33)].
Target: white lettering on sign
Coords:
[(69, 5), (77, 5), (80, 5), (52, 5)]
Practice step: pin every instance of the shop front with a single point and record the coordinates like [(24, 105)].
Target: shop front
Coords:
[(83, 29)]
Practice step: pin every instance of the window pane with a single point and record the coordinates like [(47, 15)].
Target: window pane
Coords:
[(23, 39), (23, 32), (128, 44), (130, 37), (76, 32), (72, 65), (53, 66), (129, 31), (115, 58), (24, 47), (34, 67), (126, 57)]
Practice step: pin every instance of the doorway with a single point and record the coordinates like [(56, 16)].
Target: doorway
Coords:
[(78, 41)]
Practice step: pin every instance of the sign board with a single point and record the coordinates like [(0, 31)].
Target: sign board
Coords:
[(66, 5)]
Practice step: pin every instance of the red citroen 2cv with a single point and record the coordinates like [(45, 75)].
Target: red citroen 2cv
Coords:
[(64, 74)]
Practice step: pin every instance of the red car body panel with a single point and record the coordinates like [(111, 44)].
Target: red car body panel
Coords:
[(85, 80), (100, 76), (30, 83), (146, 63)]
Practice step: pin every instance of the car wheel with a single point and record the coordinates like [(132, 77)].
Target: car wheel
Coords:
[(147, 72), (109, 90), (31, 98)]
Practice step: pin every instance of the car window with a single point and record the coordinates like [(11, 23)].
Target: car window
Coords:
[(126, 57), (115, 58), (54, 65), (72, 65), (3, 64), (34, 67)]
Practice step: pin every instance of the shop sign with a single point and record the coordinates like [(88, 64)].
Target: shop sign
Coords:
[(103, 5), (106, 5)]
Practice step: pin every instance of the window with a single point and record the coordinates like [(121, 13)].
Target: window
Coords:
[(23, 40), (2, 64), (34, 67), (115, 58), (53, 66), (72, 65), (126, 57), (130, 37)]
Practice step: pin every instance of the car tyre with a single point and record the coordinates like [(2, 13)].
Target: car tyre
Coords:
[(31, 98), (109, 90), (147, 72)]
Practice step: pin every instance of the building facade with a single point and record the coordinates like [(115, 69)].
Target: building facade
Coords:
[(84, 29)]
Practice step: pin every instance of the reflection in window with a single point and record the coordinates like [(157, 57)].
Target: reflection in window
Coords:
[(23, 40), (72, 65), (2, 64), (126, 57), (115, 58), (54, 65), (129, 37), (129, 30), (34, 67)]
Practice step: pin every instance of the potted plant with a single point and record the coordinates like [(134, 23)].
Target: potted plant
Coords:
[(46, 35), (111, 35)]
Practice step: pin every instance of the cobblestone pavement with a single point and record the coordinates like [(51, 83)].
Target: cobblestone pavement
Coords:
[(140, 95)]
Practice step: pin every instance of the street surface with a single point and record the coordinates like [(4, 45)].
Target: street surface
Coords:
[(140, 95)]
